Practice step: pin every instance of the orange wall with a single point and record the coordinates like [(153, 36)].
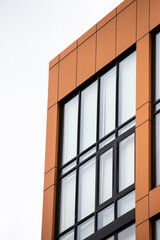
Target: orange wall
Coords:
[(130, 23)]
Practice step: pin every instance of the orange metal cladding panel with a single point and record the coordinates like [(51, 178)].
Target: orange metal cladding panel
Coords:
[(154, 201), (143, 114), (126, 28), (67, 74), (123, 5), (87, 34), (86, 59), (54, 61), (143, 158), (48, 219), (53, 86), (142, 210), (52, 137), (106, 19), (142, 18), (69, 49), (106, 44), (154, 13), (143, 72), (50, 178), (144, 231)]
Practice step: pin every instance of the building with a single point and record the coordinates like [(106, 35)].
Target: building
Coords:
[(102, 167)]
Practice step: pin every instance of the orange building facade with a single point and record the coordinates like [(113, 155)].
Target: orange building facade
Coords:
[(132, 27)]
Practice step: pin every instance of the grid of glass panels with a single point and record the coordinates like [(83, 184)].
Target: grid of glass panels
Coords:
[(127, 234), (96, 174), (156, 111)]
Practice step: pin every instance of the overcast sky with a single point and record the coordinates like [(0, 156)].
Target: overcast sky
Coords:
[(32, 32)]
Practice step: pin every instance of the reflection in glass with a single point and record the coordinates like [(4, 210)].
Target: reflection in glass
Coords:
[(157, 230), (106, 170), (127, 234), (87, 154), (88, 116), (85, 229), (68, 236), (70, 130), (126, 203), (106, 216), (157, 135), (157, 82), (67, 208), (107, 102), (126, 162), (106, 141), (86, 199), (127, 88)]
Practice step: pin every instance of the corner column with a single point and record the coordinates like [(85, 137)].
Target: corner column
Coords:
[(50, 173), (143, 138), (50, 176)]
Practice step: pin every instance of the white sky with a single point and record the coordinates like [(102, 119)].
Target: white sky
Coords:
[(32, 32)]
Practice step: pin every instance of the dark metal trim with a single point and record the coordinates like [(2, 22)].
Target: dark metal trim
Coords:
[(118, 224)]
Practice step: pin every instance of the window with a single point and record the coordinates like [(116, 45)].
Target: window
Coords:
[(156, 228), (156, 111), (125, 234), (96, 174)]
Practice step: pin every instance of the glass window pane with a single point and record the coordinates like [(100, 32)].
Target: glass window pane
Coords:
[(68, 236), (87, 154), (70, 130), (85, 229), (157, 82), (107, 141), (106, 216), (126, 203), (110, 238), (69, 167), (127, 88), (157, 133), (86, 197), (157, 107), (88, 116), (107, 102), (126, 162), (126, 127), (67, 208), (157, 230), (127, 234), (106, 170)]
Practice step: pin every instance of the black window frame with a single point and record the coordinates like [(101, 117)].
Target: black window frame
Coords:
[(128, 218), (153, 221), (153, 106)]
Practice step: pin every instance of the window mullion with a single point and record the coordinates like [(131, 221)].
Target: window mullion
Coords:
[(115, 152), (117, 96), (60, 140), (98, 109), (115, 173), (77, 169), (97, 157), (153, 143)]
